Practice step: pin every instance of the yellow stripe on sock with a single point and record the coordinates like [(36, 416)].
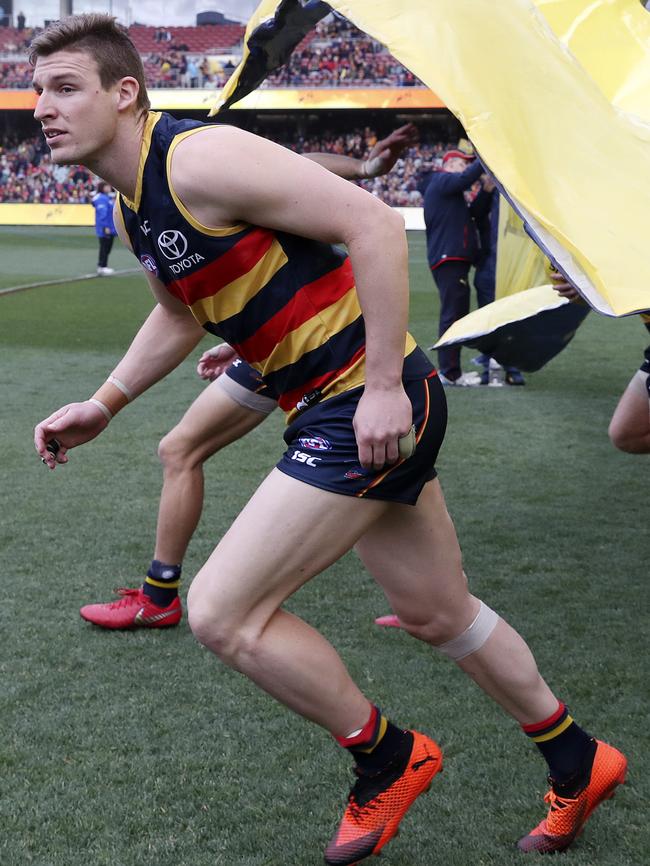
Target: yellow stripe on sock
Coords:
[(543, 738), (383, 725), (159, 583)]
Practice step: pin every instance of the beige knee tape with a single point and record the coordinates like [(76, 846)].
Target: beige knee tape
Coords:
[(473, 638)]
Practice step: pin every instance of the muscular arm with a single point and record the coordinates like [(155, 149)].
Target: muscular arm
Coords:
[(167, 336), (253, 180)]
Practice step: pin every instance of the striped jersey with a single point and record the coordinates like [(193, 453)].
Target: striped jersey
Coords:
[(288, 305)]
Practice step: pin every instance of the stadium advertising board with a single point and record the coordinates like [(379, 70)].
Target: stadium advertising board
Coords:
[(47, 215), (84, 215), (329, 98)]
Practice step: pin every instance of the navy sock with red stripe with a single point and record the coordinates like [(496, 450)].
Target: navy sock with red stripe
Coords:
[(376, 744), (567, 749)]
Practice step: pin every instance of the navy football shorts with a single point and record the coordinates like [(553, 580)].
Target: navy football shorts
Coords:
[(245, 386), (322, 448)]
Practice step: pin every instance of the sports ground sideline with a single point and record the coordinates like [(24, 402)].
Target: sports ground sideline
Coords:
[(140, 748)]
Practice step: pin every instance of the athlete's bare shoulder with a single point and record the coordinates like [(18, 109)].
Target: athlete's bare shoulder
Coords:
[(226, 176), (212, 171)]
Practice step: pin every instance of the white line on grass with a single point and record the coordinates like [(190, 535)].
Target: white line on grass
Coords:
[(78, 279)]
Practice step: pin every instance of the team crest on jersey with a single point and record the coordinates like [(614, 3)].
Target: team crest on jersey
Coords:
[(149, 263), (173, 244), (316, 443)]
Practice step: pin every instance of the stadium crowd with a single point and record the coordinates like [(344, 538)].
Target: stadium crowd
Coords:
[(338, 54), (335, 54), (27, 174)]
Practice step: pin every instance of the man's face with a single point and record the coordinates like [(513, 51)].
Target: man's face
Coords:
[(455, 165), (77, 115)]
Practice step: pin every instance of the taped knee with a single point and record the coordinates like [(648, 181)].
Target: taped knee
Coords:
[(474, 636)]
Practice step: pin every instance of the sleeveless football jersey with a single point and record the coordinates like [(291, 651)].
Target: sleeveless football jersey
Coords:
[(287, 304)]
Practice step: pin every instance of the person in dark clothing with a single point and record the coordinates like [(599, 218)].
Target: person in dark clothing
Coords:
[(486, 213), (104, 227), (452, 247)]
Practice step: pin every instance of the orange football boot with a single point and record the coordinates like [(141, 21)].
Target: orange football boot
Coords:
[(378, 801), (567, 815)]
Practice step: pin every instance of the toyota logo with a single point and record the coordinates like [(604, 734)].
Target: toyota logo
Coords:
[(173, 244)]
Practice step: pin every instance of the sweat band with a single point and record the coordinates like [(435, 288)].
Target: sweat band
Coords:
[(104, 409), (123, 388), (370, 167), (111, 396)]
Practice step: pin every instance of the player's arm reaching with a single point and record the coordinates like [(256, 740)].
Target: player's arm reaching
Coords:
[(380, 160), (254, 180), (165, 339)]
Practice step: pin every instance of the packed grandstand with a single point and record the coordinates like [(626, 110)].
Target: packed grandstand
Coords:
[(27, 174), (335, 54)]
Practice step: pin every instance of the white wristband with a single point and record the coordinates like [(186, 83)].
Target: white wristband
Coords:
[(371, 167), (123, 388), (104, 409)]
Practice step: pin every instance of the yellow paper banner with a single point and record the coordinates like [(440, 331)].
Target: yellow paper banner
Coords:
[(569, 145)]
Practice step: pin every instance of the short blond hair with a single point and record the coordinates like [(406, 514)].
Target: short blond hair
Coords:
[(106, 41)]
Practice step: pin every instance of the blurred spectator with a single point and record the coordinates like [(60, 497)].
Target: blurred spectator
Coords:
[(452, 248), (20, 20), (104, 227), (486, 215), (204, 72), (193, 72)]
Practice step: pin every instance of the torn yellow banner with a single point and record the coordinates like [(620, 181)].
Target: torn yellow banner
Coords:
[(525, 330), (573, 164)]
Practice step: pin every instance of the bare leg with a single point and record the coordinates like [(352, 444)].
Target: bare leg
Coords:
[(629, 428), (213, 421), (414, 555), (287, 533)]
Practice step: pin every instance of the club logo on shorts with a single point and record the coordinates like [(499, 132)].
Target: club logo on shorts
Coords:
[(173, 244), (353, 474), (315, 443), (149, 263)]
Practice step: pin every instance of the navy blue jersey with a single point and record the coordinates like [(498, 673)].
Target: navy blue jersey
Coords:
[(286, 304)]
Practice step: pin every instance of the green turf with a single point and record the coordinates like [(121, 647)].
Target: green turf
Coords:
[(41, 253), (140, 749)]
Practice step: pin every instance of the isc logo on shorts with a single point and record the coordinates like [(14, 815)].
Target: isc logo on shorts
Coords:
[(301, 457)]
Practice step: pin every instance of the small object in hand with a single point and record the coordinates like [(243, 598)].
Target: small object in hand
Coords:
[(406, 444), (53, 446)]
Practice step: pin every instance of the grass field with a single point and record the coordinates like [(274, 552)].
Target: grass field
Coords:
[(140, 749)]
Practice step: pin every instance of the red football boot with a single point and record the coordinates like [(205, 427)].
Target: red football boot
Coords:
[(133, 609)]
